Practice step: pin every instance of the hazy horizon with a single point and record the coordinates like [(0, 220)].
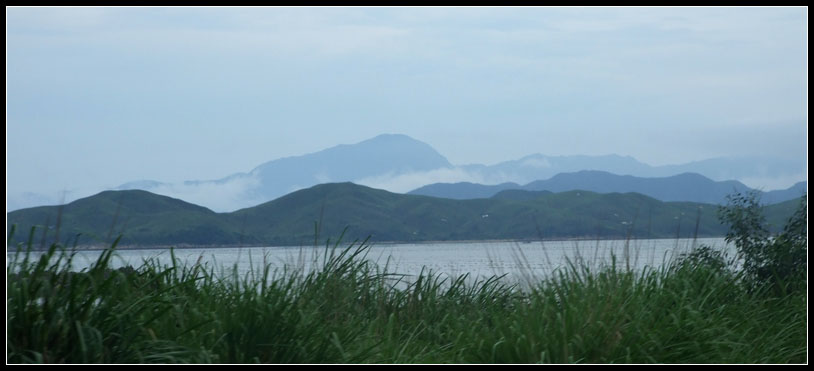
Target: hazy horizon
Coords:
[(101, 96)]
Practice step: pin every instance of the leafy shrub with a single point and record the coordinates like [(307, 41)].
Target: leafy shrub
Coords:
[(779, 261), (705, 256)]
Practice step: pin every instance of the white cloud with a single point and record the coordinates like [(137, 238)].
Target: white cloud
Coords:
[(774, 183), (403, 183), (536, 162), (219, 197)]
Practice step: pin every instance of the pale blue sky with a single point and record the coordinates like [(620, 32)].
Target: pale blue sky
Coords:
[(100, 96)]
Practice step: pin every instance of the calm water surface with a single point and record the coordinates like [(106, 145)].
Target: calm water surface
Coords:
[(519, 261)]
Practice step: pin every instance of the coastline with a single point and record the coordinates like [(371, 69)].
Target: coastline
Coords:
[(374, 243)]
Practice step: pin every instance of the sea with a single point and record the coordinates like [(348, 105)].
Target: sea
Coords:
[(523, 262)]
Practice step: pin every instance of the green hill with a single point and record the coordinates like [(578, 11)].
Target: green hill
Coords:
[(778, 214), (142, 217), (149, 220)]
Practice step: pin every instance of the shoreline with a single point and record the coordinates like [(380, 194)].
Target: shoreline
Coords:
[(377, 243)]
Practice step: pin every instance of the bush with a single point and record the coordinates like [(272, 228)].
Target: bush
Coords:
[(706, 256), (778, 261)]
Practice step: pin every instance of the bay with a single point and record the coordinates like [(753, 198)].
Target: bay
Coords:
[(517, 262)]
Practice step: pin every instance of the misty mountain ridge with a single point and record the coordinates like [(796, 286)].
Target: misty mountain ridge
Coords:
[(386, 153), (399, 163), (688, 187), (538, 166)]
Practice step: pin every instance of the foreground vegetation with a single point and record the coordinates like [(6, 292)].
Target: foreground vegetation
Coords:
[(701, 308)]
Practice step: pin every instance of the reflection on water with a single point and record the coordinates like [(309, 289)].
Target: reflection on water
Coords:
[(519, 261)]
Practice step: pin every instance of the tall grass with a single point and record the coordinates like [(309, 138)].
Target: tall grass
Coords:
[(352, 311)]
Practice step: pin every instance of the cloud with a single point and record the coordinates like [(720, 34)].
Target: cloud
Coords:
[(402, 183), (20, 199), (226, 196), (536, 162), (774, 183), (233, 194)]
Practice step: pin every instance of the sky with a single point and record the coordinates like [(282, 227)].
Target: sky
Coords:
[(97, 97)]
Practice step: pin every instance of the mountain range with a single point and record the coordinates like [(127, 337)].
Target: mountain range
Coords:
[(682, 187), (399, 163), (537, 166), (325, 211)]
